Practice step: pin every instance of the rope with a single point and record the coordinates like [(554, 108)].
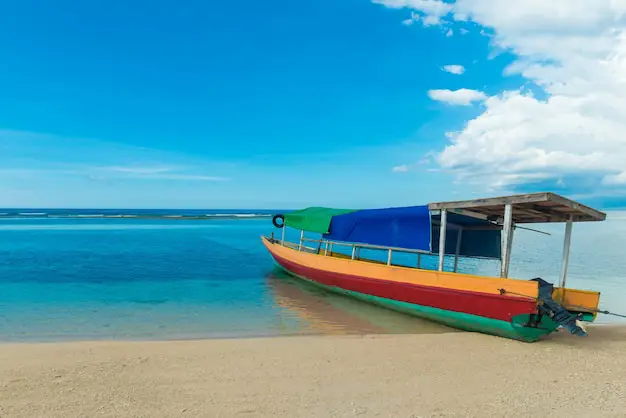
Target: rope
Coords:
[(504, 291), (599, 311)]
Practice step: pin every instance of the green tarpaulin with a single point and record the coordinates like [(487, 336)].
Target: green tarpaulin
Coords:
[(313, 219)]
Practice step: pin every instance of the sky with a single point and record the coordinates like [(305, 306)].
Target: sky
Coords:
[(344, 103)]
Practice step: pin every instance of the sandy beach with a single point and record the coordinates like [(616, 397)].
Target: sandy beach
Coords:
[(441, 375)]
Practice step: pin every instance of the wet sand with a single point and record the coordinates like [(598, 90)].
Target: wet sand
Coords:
[(427, 375)]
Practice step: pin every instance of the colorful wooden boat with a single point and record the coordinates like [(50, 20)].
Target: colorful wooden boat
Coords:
[(523, 310)]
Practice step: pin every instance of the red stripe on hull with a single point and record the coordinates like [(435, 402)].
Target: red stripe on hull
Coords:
[(482, 304)]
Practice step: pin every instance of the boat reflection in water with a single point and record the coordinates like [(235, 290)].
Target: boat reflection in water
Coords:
[(308, 309)]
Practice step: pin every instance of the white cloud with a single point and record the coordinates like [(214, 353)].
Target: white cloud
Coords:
[(428, 7), (400, 168), (460, 97), (449, 33), (139, 170), (574, 132), (188, 177), (156, 173), (114, 172), (616, 179), (404, 168), (429, 12), (415, 17), (431, 20), (26, 155), (454, 69)]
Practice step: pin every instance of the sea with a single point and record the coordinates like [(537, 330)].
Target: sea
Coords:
[(68, 275)]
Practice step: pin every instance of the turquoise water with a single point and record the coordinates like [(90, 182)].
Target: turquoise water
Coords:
[(92, 278)]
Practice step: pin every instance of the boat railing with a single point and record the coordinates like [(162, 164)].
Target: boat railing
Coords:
[(356, 247)]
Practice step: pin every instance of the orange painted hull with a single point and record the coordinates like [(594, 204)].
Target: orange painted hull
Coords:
[(448, 291)]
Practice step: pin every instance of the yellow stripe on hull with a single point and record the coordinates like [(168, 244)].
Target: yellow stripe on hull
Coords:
[(444, 280)]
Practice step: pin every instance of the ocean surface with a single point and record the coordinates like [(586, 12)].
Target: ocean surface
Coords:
[(103, 274)]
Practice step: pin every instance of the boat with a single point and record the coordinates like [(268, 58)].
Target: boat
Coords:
[(516, 308)]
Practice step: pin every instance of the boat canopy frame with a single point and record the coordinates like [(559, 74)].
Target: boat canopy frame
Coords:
[(529, 208), (508, 211)]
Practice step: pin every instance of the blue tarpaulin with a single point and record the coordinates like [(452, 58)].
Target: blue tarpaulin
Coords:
[(478, 238), (412, 227), (474, 243), (407, 227)]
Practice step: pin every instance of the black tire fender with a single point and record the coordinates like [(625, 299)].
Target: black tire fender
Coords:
[(276, 224)]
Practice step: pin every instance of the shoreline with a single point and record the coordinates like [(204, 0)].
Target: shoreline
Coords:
[(425, 375), (437, 330)]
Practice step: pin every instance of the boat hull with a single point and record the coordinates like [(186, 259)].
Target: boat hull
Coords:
[(481, 310)]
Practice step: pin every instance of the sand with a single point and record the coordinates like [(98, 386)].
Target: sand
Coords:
[(442, 375)]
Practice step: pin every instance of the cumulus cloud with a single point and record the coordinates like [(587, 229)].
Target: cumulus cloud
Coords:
[(460, 97), (454, 69), (574, 131)]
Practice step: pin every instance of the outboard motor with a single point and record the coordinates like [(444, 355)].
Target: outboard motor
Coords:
[(547, 306)]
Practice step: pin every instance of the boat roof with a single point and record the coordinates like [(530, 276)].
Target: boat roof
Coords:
[(527, 208), (411, 227)]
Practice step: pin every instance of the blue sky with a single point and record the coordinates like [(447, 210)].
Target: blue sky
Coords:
[(237, 104)]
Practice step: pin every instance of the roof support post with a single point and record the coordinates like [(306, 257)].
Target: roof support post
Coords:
[(301, 240), (459, 237), (507, 234), (282, 240), (566, 246), (442, 237), (508, 257)]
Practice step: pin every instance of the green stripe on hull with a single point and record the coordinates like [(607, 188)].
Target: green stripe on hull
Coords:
[(515, 330)]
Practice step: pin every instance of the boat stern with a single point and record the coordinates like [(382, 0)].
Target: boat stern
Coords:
[(582, 303)]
